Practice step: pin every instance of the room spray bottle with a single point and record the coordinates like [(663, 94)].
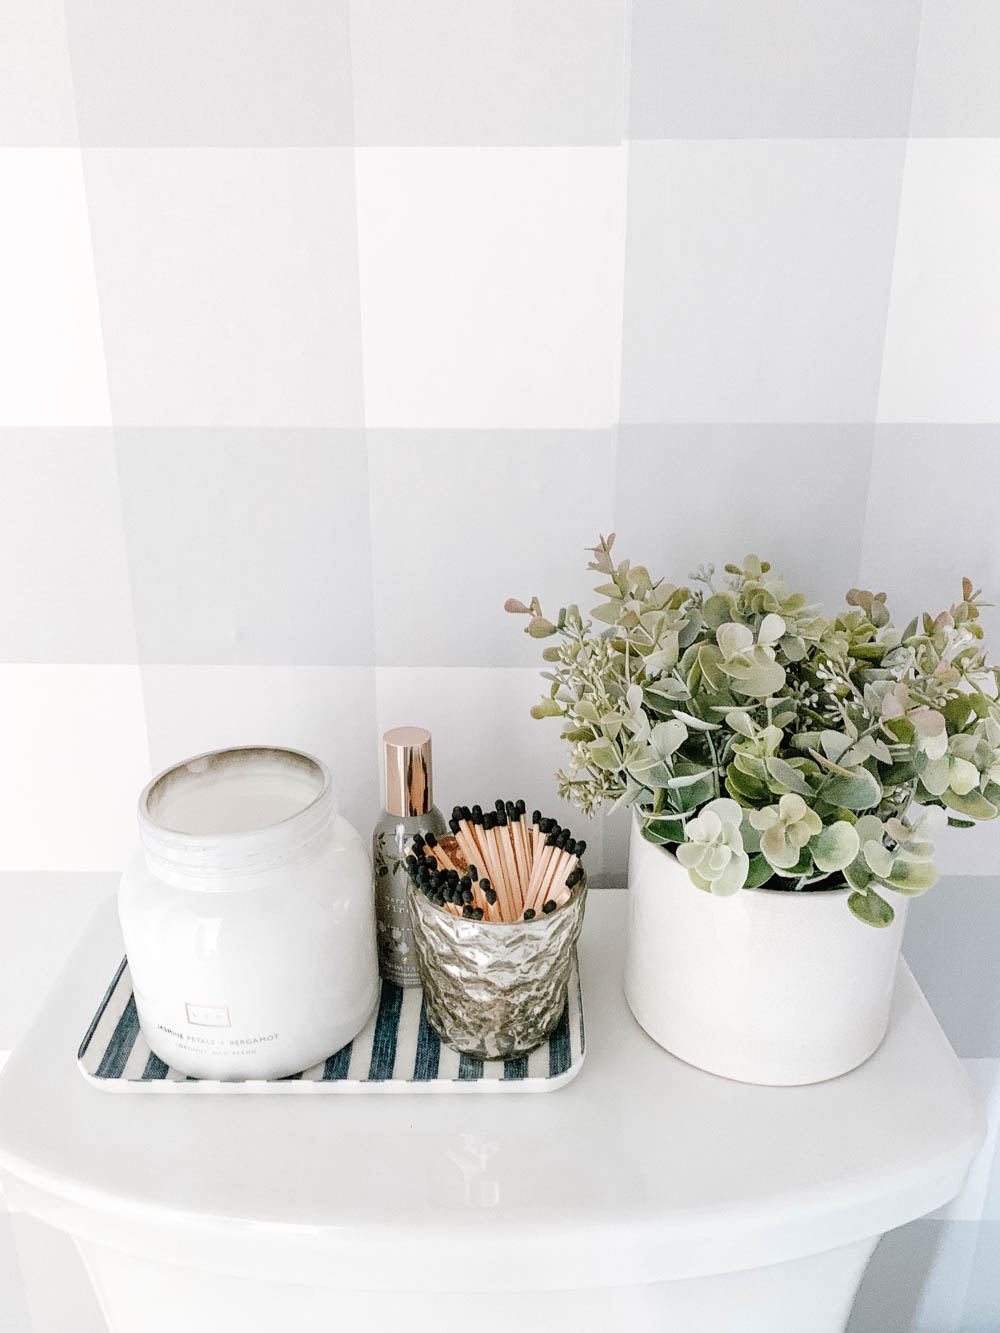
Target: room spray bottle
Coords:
[(409, 809)]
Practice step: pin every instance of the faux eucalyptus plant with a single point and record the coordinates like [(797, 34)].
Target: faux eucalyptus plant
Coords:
[(763, 743)]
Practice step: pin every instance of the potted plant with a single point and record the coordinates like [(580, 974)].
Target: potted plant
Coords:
[(786, 774)]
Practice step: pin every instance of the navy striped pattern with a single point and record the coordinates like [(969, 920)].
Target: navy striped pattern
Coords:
[(398, 1050)]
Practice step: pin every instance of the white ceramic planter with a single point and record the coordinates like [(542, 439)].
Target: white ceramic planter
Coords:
[(766, 986)]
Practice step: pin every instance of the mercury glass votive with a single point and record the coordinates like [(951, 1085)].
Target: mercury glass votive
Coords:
[(495, 989)]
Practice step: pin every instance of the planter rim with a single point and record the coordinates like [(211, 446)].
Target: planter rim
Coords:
[(844, 890)]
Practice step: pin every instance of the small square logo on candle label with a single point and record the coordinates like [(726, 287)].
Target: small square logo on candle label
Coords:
[(208, 1015)]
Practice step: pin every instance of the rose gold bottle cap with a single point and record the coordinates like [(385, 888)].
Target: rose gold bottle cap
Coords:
[(408, 785)]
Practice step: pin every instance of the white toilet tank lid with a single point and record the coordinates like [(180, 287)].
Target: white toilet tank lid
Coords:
[(642, 1170)]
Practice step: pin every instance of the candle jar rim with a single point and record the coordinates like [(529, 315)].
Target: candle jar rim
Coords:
[(235, 851)]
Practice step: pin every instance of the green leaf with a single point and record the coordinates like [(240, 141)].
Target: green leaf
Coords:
[(861, 791), (667, 691), (973, 805), (710, 661), (759, 873), (835, 846), (746, 789), (759, 682), (540, 628), (689, 798), (956, 713), (695, 723), (803, 866), (751, 765), (547, 708), (912, 876), (602, 754), (788, 777), (652, 773), (551, 653), (903, 729), (607, 613), (859, 874), (666, 737), (739, 720), (870, 908), (718, 609), (656, 834), (960, 823)]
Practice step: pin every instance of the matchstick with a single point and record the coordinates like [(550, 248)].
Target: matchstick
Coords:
[(510, 870), (520, 849), (552, 865), (439, 853), (563, 894), (500, 881), (462, 831), (572, 870), (542, 858)]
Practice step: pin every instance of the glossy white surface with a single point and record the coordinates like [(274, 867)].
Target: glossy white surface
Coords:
[(643, 1170), (763, 986), (813, 1294)]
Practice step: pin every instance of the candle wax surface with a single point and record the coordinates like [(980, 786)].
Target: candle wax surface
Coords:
[(236, 798)]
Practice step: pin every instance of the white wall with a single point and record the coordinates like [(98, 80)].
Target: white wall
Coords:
[(325, 327)]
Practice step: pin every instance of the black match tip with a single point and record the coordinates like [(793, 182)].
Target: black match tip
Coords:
[(536, 816), (551, 840), (454, 825), (473, 873), (499, 805), (520, 807), (574, 877), (548, 907), (501, 818), (581, 847), (418, 840), (456, 812), (511, 808), (430, 840), (529, 914), (485, 885), (477, 914), (490, 820), (453, 877), (467, 896), (467, 911), (477, 812), (466, 812)]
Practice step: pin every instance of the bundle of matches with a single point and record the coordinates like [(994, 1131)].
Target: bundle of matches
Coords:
[(530, 868)]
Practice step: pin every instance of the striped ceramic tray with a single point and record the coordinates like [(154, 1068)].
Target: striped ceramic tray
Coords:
[(397, 1051)]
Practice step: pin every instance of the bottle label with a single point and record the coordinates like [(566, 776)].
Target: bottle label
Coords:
[(396, 954)]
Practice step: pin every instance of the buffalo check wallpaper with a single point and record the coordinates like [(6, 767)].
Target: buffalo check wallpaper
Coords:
[(327, 326)]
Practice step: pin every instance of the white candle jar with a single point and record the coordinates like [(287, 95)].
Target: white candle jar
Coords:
[(248, 917)]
